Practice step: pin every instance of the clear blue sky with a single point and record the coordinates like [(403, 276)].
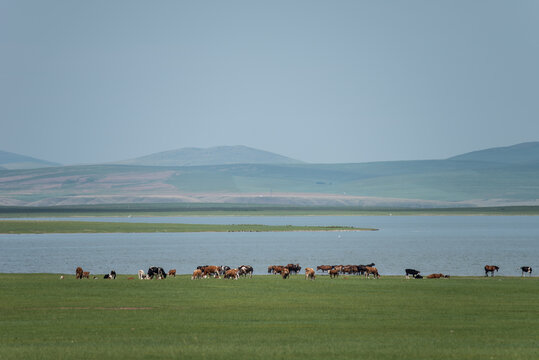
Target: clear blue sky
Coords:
[(320, 81)]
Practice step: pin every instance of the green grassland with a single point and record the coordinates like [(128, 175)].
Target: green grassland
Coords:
[(43, 317), (57, 227)]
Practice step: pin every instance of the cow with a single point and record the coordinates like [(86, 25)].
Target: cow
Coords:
[(141, 274), (276, 269), (212, 270), (86, 274), (78, 273), (371, 270), (412, 272), (309, 274), (172, 272), (224, 269), (197, 274), (245, 270), (156, 271), (285, 273), (437, 276), (111, 275), (293, 268), (333, 273), (231, 274), (491, 268), (363, 268), (324, 268), (526, 269)]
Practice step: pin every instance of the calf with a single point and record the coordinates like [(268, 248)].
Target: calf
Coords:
[(526, 269), (309, 274), (86, 274), (285, 273), (197, 274), (437, 276), (172, 272), (231, 274), (141, 275)]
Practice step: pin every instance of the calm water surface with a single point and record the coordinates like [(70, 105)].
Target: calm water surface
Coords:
[(456, 245)]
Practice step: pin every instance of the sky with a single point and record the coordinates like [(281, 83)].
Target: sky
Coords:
[(319, 81)]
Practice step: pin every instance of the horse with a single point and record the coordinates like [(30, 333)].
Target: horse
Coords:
[(491, 268)]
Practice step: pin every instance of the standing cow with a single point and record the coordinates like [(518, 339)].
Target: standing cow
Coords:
[(309, 274), (527, 270)]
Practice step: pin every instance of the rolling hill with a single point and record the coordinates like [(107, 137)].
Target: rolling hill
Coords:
[(466, 180), (220, 155), (13, 161), (524, 153)]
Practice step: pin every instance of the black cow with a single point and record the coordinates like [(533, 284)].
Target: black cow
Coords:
[(412, 272), (112, 275), (526, 269), (363, 268), (157, 271), (293, 268)]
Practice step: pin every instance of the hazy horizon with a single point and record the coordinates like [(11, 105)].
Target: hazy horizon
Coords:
[(344, 82)]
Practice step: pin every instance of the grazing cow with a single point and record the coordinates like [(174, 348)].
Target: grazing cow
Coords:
[(156, 271), (276, 269), (333, 273), (371, 270), (526, 269), (86, 274), (491, 268), (437, 276), (309, 274), (212, 270), (324, 268), (78, 273), (245, 270), (363, 268), (224, 269), (293, 268), (197, 274), (412, 272), (141, 275), (172, 272), (285, 273), (231, 274)]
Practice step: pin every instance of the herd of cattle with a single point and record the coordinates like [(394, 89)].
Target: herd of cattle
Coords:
[(207, 271)]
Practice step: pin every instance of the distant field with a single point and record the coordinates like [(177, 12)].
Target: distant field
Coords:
[(43, 227), (267, 317), (242, 209)]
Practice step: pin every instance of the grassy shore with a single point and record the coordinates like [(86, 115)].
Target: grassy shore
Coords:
[(59, 227), (267, 317)]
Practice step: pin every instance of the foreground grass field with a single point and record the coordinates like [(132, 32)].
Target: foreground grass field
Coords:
[(267, 317)]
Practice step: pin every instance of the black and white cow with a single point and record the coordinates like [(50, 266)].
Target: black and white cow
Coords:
[(245, 270), (112, 275), (156, 271), (412, 272), (526, 269)]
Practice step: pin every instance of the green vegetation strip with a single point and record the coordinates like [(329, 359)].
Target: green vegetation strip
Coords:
[(267, 317), (43, 227)]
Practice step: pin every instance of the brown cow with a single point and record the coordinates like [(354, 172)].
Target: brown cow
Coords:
[(86, 274), (285, 273), (232, 274), (212, 270), (437, 276), (197, 274), (324, 268), (333, 273), (172, 272), (78, 273), (309, 274), (276, 269), (371, 270), (491, 269)]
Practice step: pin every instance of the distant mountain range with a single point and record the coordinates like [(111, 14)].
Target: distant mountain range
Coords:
[(497, 176)]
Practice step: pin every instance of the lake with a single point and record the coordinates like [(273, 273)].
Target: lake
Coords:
[(455, 245)]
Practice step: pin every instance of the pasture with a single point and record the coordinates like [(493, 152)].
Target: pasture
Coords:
[(267, 317)]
